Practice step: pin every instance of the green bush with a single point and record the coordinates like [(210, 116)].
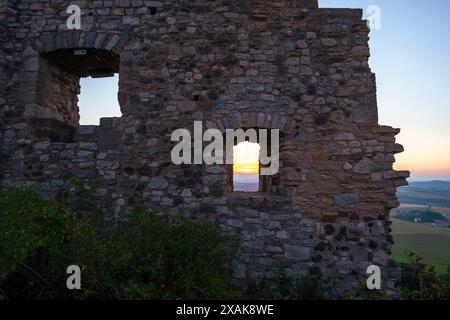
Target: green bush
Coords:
[(149, 257), (421, 282), (29, 225)]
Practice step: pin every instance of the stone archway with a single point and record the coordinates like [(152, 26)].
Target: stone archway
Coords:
[(109, 41)]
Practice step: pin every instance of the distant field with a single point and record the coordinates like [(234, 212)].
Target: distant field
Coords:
[(433, 244), (435, 193), (407, 207)]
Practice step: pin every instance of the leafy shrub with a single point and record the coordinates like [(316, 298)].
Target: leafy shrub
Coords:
[(420, 281), (149, 257)]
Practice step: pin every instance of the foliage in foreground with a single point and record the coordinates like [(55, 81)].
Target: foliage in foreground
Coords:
[(421, 282), (149, 257)]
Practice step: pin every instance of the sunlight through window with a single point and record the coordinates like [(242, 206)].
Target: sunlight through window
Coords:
[(246, 167)]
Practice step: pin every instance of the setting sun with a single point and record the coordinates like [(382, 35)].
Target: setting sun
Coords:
[(246, 158)]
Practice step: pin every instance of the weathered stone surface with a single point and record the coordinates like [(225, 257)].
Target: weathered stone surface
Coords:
[(158, 183), (297, 253), (346, 199)]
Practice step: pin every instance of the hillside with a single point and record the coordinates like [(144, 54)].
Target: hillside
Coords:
[(428, 193)]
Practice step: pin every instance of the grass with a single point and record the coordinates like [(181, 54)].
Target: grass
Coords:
[(432, 244)]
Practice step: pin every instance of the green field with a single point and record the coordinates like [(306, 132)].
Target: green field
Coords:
[(432, 244)]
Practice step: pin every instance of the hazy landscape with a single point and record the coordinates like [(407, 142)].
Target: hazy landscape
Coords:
[(428, 203)]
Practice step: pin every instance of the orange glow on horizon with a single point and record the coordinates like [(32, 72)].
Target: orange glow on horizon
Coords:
[(246, 168), (426, 155), (422, 162)]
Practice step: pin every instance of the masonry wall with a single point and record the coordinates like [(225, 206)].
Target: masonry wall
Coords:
[(231, 64)]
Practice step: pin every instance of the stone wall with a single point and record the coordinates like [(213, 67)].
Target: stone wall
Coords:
[(231, 64)]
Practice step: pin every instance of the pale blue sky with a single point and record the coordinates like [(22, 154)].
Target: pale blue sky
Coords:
[(410, 56), (98, 99)]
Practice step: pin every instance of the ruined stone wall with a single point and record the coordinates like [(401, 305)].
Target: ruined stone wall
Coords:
[(285, 64)]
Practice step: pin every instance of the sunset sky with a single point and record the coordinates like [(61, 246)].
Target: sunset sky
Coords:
[(410, 56), (246, 158)]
